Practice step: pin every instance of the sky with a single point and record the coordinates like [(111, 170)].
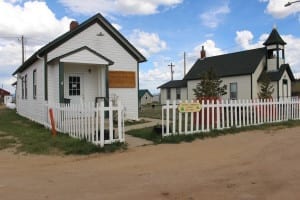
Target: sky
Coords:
[(162, 30)]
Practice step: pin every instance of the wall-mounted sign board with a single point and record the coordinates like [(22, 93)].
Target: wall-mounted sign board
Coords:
[(189, 107), (122, 79)]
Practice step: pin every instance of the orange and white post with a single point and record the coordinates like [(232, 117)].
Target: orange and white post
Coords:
[(53, 130)]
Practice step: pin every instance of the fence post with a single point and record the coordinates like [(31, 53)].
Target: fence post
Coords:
[(102, 124), (168, 119), (111, 130), (218, 115), (180, 122), (174, 117)]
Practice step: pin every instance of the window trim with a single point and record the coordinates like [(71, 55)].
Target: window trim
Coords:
[(168, 93), (236, 95), (34, 84), (25, 84), (77, 90)]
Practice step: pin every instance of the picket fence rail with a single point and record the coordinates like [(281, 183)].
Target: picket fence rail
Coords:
[(95, 123), (223, 114)]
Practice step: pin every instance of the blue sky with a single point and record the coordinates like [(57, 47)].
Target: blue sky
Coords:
[(161, 29)]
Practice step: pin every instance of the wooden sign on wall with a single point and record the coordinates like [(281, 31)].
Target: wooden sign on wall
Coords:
[(122, 79)]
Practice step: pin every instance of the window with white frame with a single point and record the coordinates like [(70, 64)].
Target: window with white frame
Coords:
[(25, 85), (34, 84), (233, 91)]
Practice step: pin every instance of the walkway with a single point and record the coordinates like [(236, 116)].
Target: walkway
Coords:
[(135, 141)]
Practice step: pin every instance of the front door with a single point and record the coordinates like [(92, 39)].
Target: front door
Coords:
[(74, 88), (285, 88)]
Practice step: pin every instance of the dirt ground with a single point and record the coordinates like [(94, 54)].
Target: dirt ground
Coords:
[(252, 165)]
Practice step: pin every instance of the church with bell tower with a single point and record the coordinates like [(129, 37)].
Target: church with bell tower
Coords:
[(241, 71)]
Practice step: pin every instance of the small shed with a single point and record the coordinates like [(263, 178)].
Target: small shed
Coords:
[(145, 97), (3, 93)]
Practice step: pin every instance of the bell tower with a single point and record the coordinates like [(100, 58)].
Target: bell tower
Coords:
[(275, 51)]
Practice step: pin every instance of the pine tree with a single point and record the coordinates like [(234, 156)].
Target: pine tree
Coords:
[(210, 85), (266, 88)]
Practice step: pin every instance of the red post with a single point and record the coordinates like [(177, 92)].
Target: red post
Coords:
[(53, 130)]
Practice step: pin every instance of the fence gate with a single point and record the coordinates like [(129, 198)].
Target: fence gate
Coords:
[(95, 123)]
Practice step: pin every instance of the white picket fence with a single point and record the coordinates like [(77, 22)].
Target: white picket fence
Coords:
[(95, 123), (222, 114)]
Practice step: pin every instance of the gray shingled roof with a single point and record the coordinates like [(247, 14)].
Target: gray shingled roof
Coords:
[(233, 64), (274, 38), (143, 91), (174, 84), (276, 75)]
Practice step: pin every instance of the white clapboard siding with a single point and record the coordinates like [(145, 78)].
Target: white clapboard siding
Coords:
[(95, 123), (222, 114)]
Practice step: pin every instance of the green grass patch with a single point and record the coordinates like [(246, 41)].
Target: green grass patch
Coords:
[(7, 142), (150, 134), (34, 138), (150, 112)]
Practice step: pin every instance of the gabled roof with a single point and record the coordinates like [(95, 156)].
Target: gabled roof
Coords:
[(174, 84), (276, 75), (80, 49), (4, 92), (233, 64), (274, 38), (98, 18), (142, 92)]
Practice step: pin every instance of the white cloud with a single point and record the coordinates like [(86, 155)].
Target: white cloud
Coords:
[(277, 9), (147, 43), (117, 26), (160, 73), (35, 21), (125, 7), (245, 40), (215, 16)]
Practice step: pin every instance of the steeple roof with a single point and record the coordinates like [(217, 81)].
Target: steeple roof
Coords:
[(274, 38)]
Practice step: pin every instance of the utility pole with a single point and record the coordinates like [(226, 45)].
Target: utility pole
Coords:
[(172, 71), (22, 42)]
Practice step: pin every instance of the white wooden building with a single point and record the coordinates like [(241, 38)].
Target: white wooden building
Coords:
[(240, 71), (91, 62), (145, 97)]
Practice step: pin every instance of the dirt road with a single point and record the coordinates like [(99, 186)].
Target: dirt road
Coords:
[(254, 165)]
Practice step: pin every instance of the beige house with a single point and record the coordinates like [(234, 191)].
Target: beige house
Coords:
[(240, 71)]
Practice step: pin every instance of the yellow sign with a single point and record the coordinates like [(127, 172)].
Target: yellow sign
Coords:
[(189, 107)]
